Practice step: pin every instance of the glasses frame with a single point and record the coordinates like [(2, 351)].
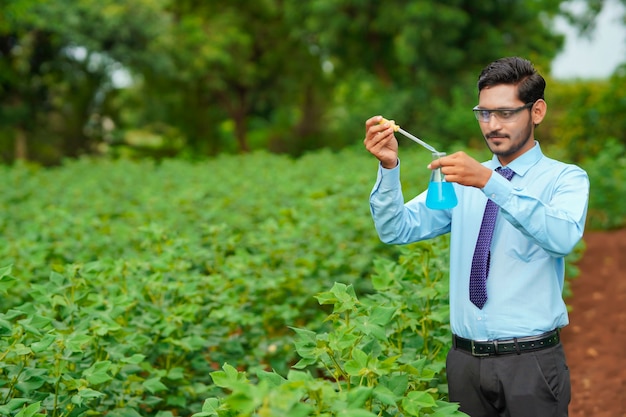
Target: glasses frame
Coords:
[(514, 112)]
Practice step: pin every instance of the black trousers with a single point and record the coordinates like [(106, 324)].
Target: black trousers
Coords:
[(531, 384)]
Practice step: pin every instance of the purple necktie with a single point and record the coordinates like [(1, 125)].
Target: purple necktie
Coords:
[(480, 262)]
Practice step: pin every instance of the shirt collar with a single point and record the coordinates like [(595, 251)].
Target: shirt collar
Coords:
[(522, 163)]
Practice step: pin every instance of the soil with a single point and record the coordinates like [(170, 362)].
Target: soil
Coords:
[(595, 340)]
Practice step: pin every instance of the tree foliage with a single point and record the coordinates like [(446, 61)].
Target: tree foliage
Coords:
[(214, 76)]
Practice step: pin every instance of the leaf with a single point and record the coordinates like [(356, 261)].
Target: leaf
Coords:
[(84, 395), (12, 405), (211, 406), (31, 379), (5, 271), (446, 409), (357, 366), (30, 411), (385, 395), (6, 280), (135, 359), (415, 401), (306, 346), (272, 378), (34, 323), (22, 350), (154, 385), (369, 328), (358, 396), (341, 295), (229, 378), (43, 344), (97, 373), (177, 373), (382, 315), (355, 413)]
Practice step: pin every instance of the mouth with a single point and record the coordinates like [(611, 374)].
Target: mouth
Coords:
[(496, 137)]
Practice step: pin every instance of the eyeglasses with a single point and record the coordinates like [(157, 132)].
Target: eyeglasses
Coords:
[(503, 115)]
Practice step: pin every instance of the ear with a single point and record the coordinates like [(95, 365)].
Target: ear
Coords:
[(538, 111)]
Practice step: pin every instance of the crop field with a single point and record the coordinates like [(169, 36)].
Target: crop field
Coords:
[(249, 285)]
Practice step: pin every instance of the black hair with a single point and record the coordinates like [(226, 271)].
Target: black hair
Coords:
[(514, 71)]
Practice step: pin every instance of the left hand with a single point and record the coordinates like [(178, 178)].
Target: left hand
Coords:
[(461, 168)]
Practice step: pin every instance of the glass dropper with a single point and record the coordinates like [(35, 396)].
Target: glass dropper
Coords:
[(397, 128)]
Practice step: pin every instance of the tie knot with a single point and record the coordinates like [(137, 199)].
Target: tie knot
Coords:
[(505, 172)]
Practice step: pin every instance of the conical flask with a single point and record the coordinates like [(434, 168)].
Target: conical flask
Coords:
[(440, 194)]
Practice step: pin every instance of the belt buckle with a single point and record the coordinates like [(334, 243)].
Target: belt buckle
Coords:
[(474, 353)]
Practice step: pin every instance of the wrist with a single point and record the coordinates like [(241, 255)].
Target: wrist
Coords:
[(389, 165)]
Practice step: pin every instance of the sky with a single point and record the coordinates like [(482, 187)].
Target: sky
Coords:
[(596, 56)]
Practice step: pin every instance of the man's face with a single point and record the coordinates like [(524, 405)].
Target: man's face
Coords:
[(507, 139)]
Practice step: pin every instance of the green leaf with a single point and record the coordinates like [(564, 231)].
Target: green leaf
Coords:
[(43, 344), (382, 315), (415, 401), (229, 378), (341, 295), (98, 373), (31, 411), (35, 323), (446, 409), (76, 342), (135, 359), (12, 405), (22, 350), (358, 396), (357, 366), (31, 379), (6, 280), (370, 328), (272, 378), (355, 413), (85, 395), (177, 373), (385, 395), (211, 406), (154, 385)]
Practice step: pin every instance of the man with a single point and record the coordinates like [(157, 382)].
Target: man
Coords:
[(507, 359)]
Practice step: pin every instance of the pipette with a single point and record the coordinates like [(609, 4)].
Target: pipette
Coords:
[(397, 128)]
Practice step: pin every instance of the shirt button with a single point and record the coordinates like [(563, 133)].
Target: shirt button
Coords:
[(493, 196), (479, 318)]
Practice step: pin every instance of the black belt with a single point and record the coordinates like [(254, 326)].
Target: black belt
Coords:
[(507, 346)]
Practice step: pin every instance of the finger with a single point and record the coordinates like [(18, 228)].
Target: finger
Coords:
[(373, 121), (434, 164), (378, 142), (374, 140), (378, 133)]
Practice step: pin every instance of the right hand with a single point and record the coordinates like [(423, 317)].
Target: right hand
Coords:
[(381, 142)]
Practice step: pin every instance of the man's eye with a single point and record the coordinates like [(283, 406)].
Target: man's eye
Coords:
[(505, 114), (485, 114)]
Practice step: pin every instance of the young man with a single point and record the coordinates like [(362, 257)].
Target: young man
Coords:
[(506, 310)]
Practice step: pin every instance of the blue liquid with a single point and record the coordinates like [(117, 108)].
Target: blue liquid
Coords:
[(440, 196)]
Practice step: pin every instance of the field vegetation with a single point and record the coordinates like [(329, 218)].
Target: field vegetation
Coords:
[(240, 285)]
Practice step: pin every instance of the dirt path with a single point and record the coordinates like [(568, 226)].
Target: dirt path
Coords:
[(595, 340)]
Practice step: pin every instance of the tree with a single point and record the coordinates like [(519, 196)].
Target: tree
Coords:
[(285, 75)]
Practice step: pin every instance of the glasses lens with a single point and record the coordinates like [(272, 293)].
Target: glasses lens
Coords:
[(502, 115), (482, 115)]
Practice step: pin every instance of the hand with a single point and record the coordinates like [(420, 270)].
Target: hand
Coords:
[(381, 142), (463, 169)]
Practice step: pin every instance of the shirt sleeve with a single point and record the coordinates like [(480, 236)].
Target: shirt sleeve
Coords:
[(555, 220), (400, 223)]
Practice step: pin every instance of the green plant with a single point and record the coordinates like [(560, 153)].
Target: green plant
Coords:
[(124, 284), (383, 356)]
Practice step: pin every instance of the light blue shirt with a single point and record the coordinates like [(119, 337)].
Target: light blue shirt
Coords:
[(541, 218)]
